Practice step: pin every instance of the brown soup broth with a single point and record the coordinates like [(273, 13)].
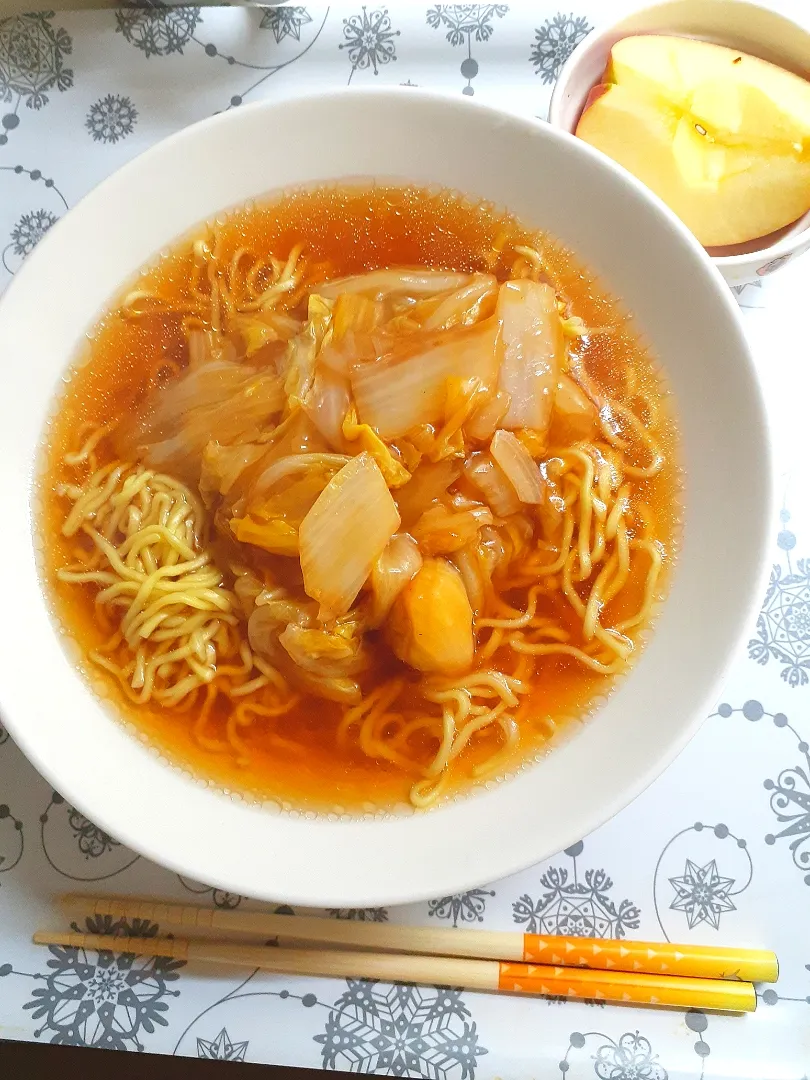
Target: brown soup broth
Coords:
[(349, 230)]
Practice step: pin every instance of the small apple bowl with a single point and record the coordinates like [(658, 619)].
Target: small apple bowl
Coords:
[(738, 25)]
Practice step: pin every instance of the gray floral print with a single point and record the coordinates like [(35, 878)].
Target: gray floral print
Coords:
[(111, 118)]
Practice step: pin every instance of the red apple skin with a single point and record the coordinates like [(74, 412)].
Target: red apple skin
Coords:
[(594, 94)]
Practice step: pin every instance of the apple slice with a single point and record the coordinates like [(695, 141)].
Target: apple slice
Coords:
[(724, 194), (725, 90)]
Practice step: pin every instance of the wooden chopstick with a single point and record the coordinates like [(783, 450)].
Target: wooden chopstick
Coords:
[(637, 957), (537, 979)]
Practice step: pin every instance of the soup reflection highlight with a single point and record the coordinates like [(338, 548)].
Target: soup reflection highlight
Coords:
[(359, 496)]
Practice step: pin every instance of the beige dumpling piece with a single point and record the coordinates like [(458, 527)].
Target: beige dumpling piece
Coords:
[(431, 623)]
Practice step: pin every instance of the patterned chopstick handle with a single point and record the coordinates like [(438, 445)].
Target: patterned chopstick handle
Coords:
[(628, 988), (186, 916), (654, 958)]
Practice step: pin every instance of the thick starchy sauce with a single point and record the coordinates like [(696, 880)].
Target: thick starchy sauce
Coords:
[(349, 230)]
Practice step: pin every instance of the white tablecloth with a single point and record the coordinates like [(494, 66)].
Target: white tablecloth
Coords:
[(717, 851)]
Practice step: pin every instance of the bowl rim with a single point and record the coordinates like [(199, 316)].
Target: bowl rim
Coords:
[(749, 592), (787, 245)]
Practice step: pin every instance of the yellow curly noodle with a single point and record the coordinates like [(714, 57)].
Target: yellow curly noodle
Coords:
[(564, 586), (222, 289), (175, 630)]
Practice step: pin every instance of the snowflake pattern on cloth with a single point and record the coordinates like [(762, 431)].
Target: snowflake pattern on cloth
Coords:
[(789, 796), (158, 31), (555, 41), (702, 894), (783, 626), (467, 907), (578, 908), (32, 58), (285, 21), (30, 229), (111, 118), (403, 1030), (369, 40), (463, 21), (221, 1048), (93, 841), (104, 999), (177, 65), (631, 1058)]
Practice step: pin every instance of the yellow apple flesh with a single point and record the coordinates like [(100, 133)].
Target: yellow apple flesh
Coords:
[(728, 90), (722, 137)]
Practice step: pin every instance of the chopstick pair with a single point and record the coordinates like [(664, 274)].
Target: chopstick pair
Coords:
[(661, 974)]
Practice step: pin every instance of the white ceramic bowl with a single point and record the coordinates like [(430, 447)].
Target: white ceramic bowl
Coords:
[(643, 254), (739, 25)]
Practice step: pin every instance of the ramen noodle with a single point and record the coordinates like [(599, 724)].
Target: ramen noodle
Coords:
[(359, 496)]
